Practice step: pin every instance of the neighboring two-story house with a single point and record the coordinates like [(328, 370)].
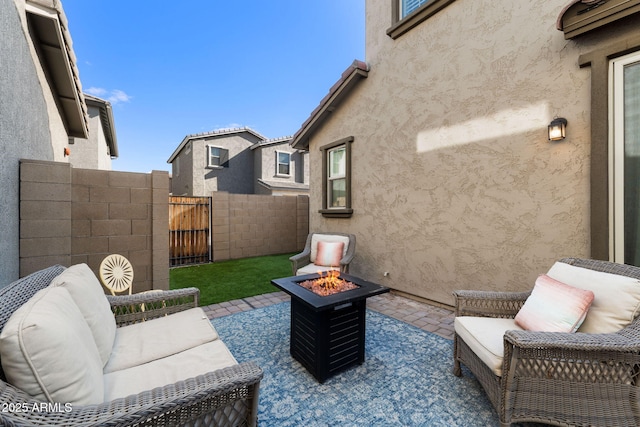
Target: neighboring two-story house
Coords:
[(435, 151), (239, 161)]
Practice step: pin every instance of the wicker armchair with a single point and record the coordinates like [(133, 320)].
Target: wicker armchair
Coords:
[(227, 396), (557, 378), (304, 259)]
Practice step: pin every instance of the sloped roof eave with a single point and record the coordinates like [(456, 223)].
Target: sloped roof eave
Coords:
[(357, 71), (272, 185), (218, 132), (57, 47), (108, 123)]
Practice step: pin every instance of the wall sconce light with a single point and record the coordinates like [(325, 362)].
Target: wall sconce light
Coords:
[(67, 151), (557, 129)]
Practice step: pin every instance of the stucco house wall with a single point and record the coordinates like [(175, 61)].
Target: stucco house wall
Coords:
[(98, 150), (454, 183), (236, 177), (268, 181), (31, 125)]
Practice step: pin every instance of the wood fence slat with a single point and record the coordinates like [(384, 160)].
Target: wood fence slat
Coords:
[(189, 230)]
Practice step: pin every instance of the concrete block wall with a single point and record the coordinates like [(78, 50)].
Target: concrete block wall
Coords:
[(71, 216), (247, 225), (45, 215)]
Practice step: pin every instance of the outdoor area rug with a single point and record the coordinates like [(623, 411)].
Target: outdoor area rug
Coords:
[(406, 379)]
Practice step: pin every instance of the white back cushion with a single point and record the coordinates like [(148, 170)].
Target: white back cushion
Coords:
[(86, 291), (327, 238), (48, 351), (616, 299)]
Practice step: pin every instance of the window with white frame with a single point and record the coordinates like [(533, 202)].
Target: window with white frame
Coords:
[(336, 182), (337, 178), (283, 163), (408, 6), (217, 157)]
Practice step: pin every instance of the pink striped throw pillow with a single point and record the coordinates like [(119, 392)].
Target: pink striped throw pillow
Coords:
[(554, 307), (329, 253)]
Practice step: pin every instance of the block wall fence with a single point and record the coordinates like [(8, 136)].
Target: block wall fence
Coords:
[(70, 216), (247, 225)]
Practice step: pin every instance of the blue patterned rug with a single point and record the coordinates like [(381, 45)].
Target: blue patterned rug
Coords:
[(406, 378)]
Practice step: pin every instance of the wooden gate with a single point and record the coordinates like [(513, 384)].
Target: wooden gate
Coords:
[(189, 230)]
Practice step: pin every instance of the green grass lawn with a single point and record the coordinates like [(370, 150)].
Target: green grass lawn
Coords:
[(234, 279)]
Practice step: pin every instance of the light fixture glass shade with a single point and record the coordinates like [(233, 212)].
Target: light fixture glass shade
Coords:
[(557, 129)]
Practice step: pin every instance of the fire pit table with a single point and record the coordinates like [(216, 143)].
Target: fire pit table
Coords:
[(328, 331)]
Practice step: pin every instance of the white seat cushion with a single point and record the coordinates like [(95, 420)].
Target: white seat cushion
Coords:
[(155, 339), (616, 299), (312, 268), (485, 337), (178, 367), (48, 350), (86, 291)]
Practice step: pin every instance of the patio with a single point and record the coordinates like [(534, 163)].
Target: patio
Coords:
[(427, 317)]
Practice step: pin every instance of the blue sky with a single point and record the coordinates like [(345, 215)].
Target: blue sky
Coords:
[(171, 69)]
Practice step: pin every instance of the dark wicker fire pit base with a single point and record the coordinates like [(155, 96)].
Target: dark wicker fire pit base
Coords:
[(328, 332)]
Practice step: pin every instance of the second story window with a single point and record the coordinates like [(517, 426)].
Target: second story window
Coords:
[(217, 157), (283, 166)]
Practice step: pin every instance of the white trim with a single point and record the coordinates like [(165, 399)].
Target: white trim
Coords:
[(287, 175), (617, 155), (339, 176), (209, 164)]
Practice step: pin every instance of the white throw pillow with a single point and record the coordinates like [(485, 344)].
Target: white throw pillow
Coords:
[(554, 307), (616, 299), (329, 254), (86, 291), (327, 238), (48, 351)]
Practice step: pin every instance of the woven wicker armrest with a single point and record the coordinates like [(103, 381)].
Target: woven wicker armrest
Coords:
[(348, 257), (135, 308), (576, 357), (488, 304), (221, 397), (551, 341), (300, 260)]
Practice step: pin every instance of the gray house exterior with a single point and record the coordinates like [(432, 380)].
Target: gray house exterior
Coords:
[(238, 161), (96, 151), (41, 105)]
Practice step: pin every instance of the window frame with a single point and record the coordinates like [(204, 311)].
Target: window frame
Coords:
[(400, 24), (224, 153), (278, 163), (598, 61), (341, 211)]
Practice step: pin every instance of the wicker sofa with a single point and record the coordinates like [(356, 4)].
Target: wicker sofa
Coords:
[(224, 396), (582, 379)]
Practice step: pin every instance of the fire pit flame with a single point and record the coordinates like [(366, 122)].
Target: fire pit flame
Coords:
[(328, 283)]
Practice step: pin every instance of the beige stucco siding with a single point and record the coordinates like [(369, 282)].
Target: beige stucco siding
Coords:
[(454, 182)]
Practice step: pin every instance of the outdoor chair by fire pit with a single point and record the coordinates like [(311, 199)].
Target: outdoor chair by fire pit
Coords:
[(323, 252), (584, 378)]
